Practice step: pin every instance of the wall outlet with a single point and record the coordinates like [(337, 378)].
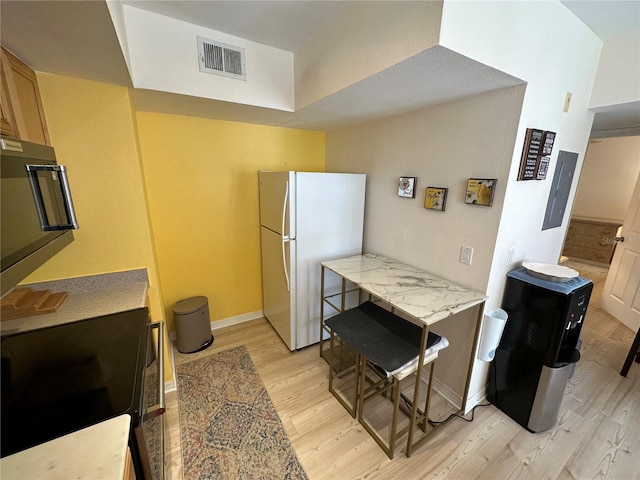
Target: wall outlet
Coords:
[(511, 255), (466, 255)]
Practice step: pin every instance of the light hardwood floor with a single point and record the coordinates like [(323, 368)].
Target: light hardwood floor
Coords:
[(597, 434)]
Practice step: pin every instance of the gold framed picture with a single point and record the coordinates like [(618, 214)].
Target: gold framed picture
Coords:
[(436, 198), (407, 187), (480, 191)]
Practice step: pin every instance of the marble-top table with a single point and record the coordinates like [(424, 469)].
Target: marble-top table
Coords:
[(425, 298), (421, 295)]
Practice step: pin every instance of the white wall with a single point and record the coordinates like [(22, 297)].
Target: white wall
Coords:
[(443, 146), (116, 11), (618, 78), (611, 168), (364, 38), (163, 56), (542, 43), (550, 48)]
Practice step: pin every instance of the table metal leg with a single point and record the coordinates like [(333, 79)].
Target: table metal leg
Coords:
[(472, 356), (321, 307), (421, 418), (416, 391)]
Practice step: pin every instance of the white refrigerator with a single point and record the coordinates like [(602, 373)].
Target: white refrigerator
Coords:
[(306, 218)]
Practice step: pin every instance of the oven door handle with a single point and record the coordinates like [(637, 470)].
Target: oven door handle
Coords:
[(160, 407)]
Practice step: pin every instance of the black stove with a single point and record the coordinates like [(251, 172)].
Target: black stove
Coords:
[(60, 379)]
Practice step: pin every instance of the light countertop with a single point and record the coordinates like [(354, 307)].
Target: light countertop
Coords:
[(422, 295), (88, 297), (98, 452)]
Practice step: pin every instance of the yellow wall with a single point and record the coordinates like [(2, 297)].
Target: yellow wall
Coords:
[(91, 126), (175, 195), (202, 184)]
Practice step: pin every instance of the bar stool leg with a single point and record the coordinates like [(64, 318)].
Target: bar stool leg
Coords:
[(415, 413), (352, 409), (394, 419), (331, 344), (362, 381), (386, 388), (356, 386)]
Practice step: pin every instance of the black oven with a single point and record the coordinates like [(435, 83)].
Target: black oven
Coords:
[(60, 379)]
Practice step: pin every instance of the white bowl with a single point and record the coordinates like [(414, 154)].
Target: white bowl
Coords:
[(550, 271)]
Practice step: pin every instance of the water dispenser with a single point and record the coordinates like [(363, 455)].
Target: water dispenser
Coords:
[(539, 347)]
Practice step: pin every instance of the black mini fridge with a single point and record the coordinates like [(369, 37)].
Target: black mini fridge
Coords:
[(539, 347)]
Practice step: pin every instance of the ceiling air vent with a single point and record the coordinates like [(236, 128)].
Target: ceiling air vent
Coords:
[(221, 59)]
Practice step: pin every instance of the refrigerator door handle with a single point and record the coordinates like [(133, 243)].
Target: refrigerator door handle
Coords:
[(285, 238)]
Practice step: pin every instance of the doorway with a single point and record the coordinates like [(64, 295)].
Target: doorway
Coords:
[(603, 198)]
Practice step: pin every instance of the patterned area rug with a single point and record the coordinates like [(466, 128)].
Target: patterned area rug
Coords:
[(229, 428)]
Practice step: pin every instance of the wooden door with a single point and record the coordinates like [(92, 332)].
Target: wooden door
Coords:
[(621, 293)]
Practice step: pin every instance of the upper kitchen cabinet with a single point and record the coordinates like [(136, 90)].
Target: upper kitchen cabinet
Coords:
[(22, 112)]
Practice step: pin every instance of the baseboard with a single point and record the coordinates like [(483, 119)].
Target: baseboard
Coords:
[(441, 389), (454, 398), (170, 387), (227, 322), (477, 399), (173, 384), (447, 393), (589, 262), (245, 317)]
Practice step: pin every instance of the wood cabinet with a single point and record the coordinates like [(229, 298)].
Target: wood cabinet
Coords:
[(590, 240), (21, 107)]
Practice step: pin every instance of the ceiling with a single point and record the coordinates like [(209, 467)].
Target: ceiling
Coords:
[(280, 24), (288, 24), (77, 38)]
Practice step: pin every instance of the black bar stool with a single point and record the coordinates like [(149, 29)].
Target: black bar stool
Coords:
[(387, 346)]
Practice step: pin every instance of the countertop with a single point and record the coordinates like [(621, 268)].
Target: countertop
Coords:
[(88, 297), (420, 294), (98, 452)]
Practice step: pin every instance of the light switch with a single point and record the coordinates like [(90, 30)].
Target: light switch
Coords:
[(567, 102), (466, 255)]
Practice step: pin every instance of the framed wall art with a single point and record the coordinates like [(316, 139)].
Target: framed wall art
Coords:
[(407, 187), (543, 168), (480, 191), (533, 142), (436, 198), (538, 145)]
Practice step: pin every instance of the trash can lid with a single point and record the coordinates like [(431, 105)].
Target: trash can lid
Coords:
[(189, 305)]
